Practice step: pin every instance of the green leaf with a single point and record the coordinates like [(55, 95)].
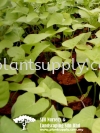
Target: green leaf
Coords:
[(90, 76), (93, 54), (68, 60), (98, 111), (71, 99), (5, 44), (16, 78), (98, 34), (71, 43), (27, 67), (58, 96), (54, 93), (81, 26), (86, 10), (84, 38), (47, 92), (26, 104), (85, 117), (10, 17), (81, 70), (96, 126), (38, 1), (63, 54), (84, 14), (95, 41), (67, 19), (34, 127), (62, 29), (68, 112), (13, 36), (84, 47), (60, 114), (26, 85), (15, 28), (49, 30), (17, 53), (50, 83), (4, 93), (0, 127), (26, 48), (55, 63), (43, 1), (21, 19), (14, 33), (59, 18), (96, 10), (43, 15), (3, 2), (52, 9), (88, 90), (55, 18), (39, 80), (37, 50), (7, 69), (23, 10), (32, 16), (11, 127), (80, 56), (1, 78), (32, 39), (51, 113)]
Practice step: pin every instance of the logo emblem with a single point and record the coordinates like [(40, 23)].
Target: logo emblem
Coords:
[(24, 119)]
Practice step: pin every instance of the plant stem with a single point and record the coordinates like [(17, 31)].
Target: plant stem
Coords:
[(82, 103), (94, 93), (36, 75), (77, 82)]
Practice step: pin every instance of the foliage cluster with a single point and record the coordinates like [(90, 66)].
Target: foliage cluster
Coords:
[(28, 28)]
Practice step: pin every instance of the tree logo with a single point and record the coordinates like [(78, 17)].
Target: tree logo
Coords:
[(24, 119)]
